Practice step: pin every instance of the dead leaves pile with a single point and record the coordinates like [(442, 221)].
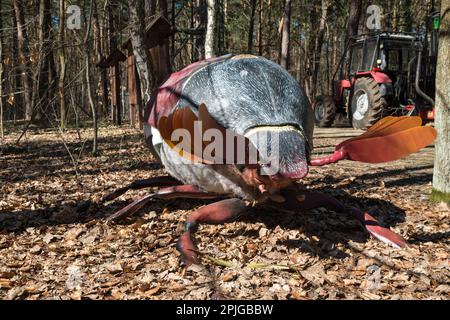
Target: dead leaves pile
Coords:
[(55, 243)]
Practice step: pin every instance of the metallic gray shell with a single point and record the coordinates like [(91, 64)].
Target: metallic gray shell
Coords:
[(249, 92)]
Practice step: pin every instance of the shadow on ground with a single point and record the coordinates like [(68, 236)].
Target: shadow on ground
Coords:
[(330, 228)]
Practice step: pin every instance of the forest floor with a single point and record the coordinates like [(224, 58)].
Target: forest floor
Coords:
[(55, 242)]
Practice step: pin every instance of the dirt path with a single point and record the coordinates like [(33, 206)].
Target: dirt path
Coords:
[(54, 242)]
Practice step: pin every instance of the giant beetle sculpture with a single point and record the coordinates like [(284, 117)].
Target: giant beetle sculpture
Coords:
[(261, 126)]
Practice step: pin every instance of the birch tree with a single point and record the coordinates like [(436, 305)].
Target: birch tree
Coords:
[(285, 35), (210, 29), (87, 56), (441, 178), (23, 52), (140, 48)]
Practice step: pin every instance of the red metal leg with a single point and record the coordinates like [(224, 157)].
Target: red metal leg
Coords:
[(333, 158), (216, 213), (177, 192), (383, 234), (303, 202), (165, 181)]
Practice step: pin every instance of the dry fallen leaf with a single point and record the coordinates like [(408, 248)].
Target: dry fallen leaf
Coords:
[(117, 294), (152, 291), (229, 276), (45, 256), (443, 288), (73, 233), (114, 268), (5, 284), (76, 295)]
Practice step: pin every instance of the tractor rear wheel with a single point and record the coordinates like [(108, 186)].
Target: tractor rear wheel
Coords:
[(324, 111), (367, 104)]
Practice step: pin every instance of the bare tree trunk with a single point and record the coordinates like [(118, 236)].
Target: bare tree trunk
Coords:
[(173, 45), (259, 35), (299, 58), (87, 53), (18, 110), (328, 58), (115, 70), (23, 51), (221, 28), (251, 27), (441, 178), (388, 15), (165, 49), (396, 16), (91, 103), (140, 49), (270, 29), (2, 81), (352, 30), (210, 29), (105, 94), (192, 26), (103, 72), (310, 46), (285, 35), (334, 61), (406, 18), (149, 7), (200, 22), (318, 48), (97, 33), (225, 23), (45, 76)]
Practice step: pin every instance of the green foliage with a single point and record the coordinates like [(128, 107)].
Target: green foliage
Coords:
[(438, 196)]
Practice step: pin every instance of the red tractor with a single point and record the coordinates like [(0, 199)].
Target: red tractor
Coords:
[(389, 74)]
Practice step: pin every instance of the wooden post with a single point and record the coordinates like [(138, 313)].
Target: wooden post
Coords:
[(134, 93), (156, 46), (113, 96), (131, 90), (116, 95), (141, 104)]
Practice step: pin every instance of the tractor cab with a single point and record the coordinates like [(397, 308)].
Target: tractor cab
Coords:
[(389, 73), (386, 52), (394, 55)]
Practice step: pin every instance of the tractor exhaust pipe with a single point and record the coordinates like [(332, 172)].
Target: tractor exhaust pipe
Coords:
[(419, 91)]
